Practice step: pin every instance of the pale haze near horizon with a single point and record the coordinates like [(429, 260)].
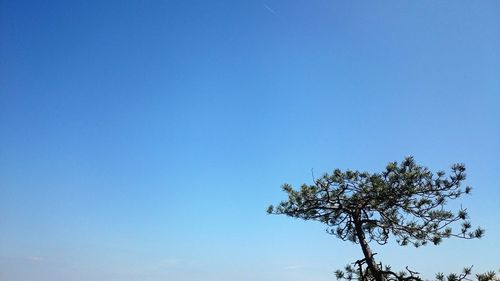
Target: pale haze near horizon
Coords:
[(143, 140)]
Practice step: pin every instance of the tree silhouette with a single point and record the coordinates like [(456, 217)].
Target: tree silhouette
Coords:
[(405, 201)]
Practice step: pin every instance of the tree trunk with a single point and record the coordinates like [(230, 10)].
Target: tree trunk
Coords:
[(367, 252)]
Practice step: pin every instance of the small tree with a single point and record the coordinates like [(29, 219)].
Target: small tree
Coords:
[(406, 201)]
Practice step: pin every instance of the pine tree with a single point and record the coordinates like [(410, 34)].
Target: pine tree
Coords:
[(405, 201)]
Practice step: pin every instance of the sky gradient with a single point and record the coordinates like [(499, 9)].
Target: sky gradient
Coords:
[(144, 140)]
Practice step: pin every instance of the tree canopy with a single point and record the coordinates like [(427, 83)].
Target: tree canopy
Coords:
[(406, 201)]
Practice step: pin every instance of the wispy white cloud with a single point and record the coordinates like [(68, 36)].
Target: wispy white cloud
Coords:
[(299, 267), (172, 262), (293, 267), (176, 263), (34, 258), (271, 10)]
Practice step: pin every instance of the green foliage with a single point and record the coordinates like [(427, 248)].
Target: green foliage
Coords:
[(405, 201), (487, 276)]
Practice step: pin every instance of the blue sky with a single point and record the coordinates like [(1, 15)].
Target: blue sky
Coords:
[(143, 140)]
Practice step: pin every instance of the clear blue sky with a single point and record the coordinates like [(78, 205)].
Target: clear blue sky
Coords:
[(143, 140)]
